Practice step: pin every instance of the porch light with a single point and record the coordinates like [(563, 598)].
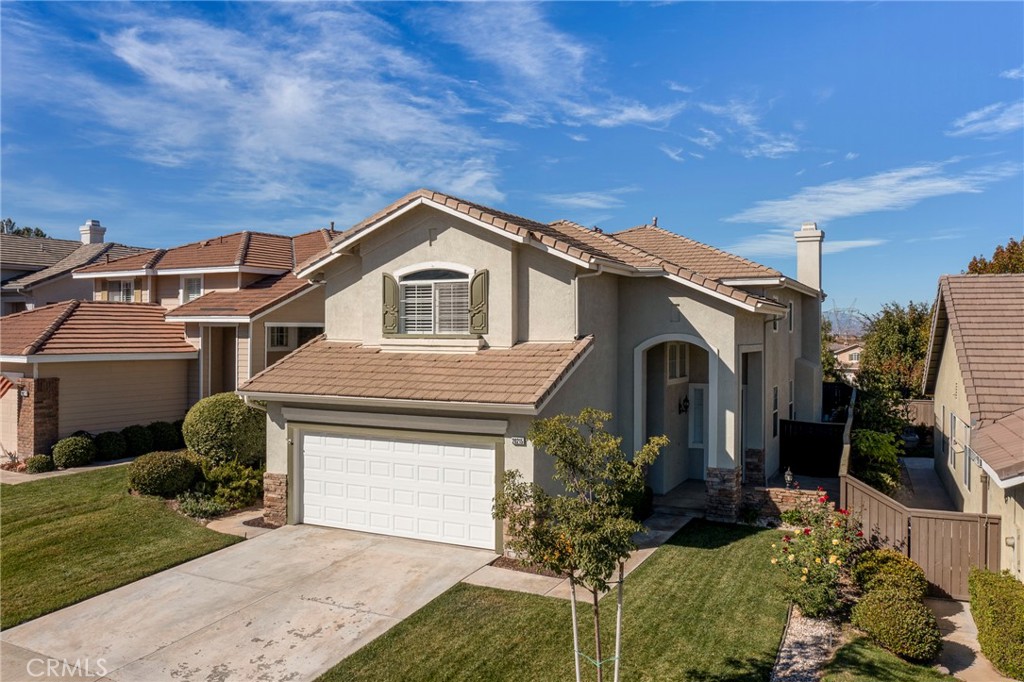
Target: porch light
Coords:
[(789, 477), (684, 405)]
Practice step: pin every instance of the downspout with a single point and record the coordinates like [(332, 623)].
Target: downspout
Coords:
[(576, 295), (254, 403)]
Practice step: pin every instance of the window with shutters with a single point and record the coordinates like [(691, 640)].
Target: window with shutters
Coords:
[(434, 302), (122, 290)]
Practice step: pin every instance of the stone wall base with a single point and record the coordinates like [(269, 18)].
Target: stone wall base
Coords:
[(275, 498), (753, 466), (724, 493), (771, 502), (38, 415)]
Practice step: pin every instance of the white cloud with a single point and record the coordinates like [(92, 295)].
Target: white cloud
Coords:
[(708, 138), (886, 191), (991, 121), (577, 137), (595, 200), (696, 155), (1013, 74), (757, 142), (674, 154), (779, 242), (800, 172), (850, 156), (679, 87), (826, 164)]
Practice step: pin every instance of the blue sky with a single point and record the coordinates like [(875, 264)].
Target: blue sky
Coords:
[(896, 126)]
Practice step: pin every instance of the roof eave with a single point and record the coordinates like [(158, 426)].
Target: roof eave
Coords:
[(503, 408), (36, 358)]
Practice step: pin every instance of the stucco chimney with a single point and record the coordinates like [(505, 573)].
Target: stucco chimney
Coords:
[(92, 232), (808, 255)]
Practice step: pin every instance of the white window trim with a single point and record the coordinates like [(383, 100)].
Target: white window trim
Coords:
[(952, 440), (122, 280), (181, 286), (432, 265), (684, 357), (293, 334), (411, 270), (693, 415), (289, 335)]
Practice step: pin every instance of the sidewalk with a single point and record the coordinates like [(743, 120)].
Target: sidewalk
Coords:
[(925, 490), (961, 656), (16, 477)]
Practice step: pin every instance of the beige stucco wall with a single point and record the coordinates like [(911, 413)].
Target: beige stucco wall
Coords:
[(59, 289), (307, 308), (9, 417), (546, 296), (110, 395)]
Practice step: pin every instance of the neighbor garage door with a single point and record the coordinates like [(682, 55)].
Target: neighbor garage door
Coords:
[(429, 490)]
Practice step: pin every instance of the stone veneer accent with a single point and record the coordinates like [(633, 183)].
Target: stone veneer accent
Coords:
[(724, 493), (771, 502), (38, 415), (275, 498), (753, 466)]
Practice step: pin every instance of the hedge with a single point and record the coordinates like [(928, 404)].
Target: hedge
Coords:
[(223, 428), (38, 464), (138, 439), (110, 445), (889, 568), (166, 474), (74, 451), (165, 436), (997, 604), (899, 623)]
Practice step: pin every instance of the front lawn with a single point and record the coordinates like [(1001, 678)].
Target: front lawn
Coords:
[(706, 606), (68, 538), (862, 661)]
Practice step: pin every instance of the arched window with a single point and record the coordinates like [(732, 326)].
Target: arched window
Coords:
[(434, 301)]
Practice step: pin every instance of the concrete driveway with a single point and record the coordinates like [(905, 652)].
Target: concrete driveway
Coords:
[(285, 606)]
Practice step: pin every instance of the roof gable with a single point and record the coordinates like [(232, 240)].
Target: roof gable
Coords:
[(245, 302)]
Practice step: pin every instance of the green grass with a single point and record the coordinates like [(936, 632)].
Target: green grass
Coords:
[(706, 606), (862, 661), (68, 538)]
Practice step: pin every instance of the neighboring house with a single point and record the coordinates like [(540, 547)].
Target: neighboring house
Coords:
[(451, 326), (848, 359), (68, 368), (236, 296), (36, 271), (975, 373)]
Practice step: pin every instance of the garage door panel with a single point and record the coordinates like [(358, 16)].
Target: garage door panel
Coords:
[(433, 491)]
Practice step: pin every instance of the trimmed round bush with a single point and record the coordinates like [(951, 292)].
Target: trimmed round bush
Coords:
[(166, 474), (997, 604), (74, 451), (889, 568), (904, 626), (110, 445), (37, 464), (137, 439), (223, 428), (164, 436)]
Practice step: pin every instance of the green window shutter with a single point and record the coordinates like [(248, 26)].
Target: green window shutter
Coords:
[(478, 303), (390, 309)]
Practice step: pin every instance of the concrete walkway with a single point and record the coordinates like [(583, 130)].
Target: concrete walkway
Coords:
[(17, 477), (283, 607), (660, 526), (925, 490), (961, 656), (234, 524)]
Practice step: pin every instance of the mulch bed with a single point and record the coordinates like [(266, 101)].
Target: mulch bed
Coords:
[(517, 565)]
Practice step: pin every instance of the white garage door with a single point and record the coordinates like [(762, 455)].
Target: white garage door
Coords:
[(426, 490)]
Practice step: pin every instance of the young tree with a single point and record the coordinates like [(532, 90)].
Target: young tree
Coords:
[(829, 363), (1005, 259), (584, 534), (8, 226)]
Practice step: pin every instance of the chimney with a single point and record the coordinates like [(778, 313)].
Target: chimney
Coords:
[(92, 232), (808, 255)]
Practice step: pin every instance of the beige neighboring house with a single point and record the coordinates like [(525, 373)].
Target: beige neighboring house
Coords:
[(235, 295), (450, 326), (848, 359), (91, 366), (975, 373), (36, 271)]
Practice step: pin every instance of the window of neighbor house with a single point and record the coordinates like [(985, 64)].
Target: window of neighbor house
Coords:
[(289, 336), (122, 290), (854, 357), (676, 360), (775, 411), (191, 288), (434, 302), (278, 338)]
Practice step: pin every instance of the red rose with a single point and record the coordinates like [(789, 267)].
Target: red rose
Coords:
[(860, 533), (823, 499), (807, 531)]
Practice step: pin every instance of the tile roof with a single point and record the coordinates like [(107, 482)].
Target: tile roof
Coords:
[(685, 252), (247, 301), (81, 327), (524, 375), (38, 252), (985, 314), (572, 239), (1001, 444), (85, 254)]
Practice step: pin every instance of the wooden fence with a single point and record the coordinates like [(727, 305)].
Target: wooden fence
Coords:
[(921, 412), (945, 544)]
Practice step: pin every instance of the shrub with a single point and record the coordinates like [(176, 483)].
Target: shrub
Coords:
[(640, 503), (200, 506), (223, 428), (164, 436), (138, 440), (997, 604), (37, 464), (888, 568), (876, 459), (904, 626), (162, 473), (110, 445), (232, 484), (74, 451)]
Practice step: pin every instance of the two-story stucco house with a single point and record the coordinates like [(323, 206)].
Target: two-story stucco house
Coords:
[(975, 373), (450, 326)]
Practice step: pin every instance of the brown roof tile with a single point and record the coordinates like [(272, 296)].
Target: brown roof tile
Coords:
[(1001, 444), (35, 252), (524, 375), (79, 327), (87, 253), (693, 255), (247, 301), (985, 314)]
